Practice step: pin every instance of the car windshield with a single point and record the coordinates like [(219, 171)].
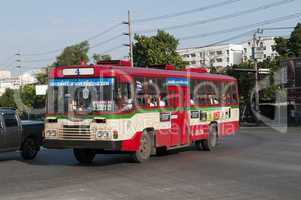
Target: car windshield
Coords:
[(81, 95)]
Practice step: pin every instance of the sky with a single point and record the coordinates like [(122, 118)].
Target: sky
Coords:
[(35, 26)]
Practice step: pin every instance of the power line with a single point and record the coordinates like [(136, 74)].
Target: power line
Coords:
[(89, 39), (167, 16), (7, 60), (220, 18), (43, 53), (228, 39), (104, 32), (36, 61), (107, 51), (9, 66), (106, 41), (278, 28), (234, 29), (112, 49), (232, 38)]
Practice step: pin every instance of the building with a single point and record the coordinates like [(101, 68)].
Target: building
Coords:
[(228, 54), (213, 56), (263, 51), (7, 81)]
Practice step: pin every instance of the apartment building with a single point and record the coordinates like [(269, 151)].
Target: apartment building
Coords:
[(228, 54), (7, 81), (263, 51)]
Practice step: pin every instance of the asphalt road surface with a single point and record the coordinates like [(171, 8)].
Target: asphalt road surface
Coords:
[(257, 163)]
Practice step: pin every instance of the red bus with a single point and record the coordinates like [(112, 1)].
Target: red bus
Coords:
[(142, 111)]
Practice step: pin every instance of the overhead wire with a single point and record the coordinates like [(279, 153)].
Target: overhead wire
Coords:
[(234, 29), (177, 14), (220, 18), (113, 27), (106, 41), (7, 60)]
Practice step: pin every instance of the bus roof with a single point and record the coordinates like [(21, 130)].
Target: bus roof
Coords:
[(108, 70)]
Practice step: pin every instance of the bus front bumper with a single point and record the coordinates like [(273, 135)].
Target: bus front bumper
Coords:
[(78, 144)]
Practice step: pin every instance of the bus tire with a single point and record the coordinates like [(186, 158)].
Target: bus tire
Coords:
[(210, 143), (84, 156), (161, 151), (145, 149), (29, 149), (199, 145)]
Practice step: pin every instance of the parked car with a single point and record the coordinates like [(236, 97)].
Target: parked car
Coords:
[(17, 135)]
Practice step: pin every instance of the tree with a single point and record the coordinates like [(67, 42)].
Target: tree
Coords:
[(100, 57), (289, 47), (7, 99), (42, 78), (294, 43), (281, 46), (246, 80), (73, 55), (156, 50)]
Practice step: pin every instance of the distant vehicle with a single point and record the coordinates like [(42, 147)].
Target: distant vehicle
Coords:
[(112, 107), (17, 135)]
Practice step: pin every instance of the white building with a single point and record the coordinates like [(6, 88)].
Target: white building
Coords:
[(228, 54), (7, 81), (213, 56), (263, 51)]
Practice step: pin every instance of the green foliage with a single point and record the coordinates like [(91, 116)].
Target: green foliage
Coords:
[(99, 57), (7, 99), (42, 78), (156, 50), (289, 47), (27, 95), (246, 80), (281, 46), (294, 43), (30, 99), (73, 55)]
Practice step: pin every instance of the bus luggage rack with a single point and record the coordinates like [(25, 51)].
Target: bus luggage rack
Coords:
[(74, 132)]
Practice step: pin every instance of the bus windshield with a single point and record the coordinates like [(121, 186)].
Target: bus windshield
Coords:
[(81, 95)]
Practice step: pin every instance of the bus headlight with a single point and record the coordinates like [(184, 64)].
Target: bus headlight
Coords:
[(103, 134), (51, 133)]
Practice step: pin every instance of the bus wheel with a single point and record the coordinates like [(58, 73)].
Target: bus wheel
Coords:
[(145, 149), (211, 142), (84, 156), (161, 151)]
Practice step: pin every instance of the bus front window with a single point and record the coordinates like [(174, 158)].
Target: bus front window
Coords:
[(84, 99)]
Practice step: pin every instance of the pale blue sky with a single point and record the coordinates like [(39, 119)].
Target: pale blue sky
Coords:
[(34, 26)]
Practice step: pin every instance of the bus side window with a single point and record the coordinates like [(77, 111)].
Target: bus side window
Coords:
[(198, 94), (234, 93), (213, 89), (150, 92), (140, 92)]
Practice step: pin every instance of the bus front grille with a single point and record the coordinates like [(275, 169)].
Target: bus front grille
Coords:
[(74, 132)]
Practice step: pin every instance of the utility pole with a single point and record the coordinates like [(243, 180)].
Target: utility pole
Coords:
[(130, 35), (254, 57), (18, 66)]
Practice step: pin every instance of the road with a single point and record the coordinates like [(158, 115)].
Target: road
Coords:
[(256, 163)]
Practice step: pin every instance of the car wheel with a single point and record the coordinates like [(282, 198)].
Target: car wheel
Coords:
[(29, 149)]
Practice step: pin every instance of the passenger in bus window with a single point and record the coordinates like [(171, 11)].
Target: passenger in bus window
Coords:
[(162, 101), (149, 102), (192, 102)]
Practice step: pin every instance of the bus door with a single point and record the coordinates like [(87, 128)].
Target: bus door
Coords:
[(178, 99)]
